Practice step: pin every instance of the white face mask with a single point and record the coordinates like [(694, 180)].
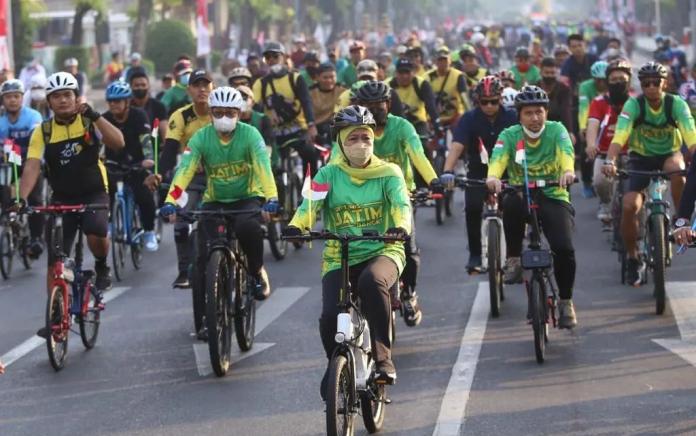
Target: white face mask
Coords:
[(245, 107), (276, 68), (38, 94), (358, 154), (533, 135), (225, 124)]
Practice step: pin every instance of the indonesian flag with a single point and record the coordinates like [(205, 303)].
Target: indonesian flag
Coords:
[(179, 195), (203, 45), (187, 151), (7, 146), (14, 153), (155, 128), (312, 190), (519, 152), (483, 153)]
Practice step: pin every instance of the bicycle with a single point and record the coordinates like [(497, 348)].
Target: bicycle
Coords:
[(492, 243), (14, 239), (655, 247), (351, 380), (73, 295), (126, 227), (289, 183), (438, 146), (229, 290)]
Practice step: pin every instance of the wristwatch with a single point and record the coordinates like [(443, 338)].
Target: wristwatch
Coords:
[(609, 162), (681, 222)]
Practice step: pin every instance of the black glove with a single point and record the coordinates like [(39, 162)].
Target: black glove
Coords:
[(436, 187), (291, 231), (396, 232), (89, 113)]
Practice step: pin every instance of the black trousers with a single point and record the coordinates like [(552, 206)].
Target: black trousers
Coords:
[(35, 198), (557, 222), (306, 150), (372, 280), (410, 273), (184, 250), (475, 197)]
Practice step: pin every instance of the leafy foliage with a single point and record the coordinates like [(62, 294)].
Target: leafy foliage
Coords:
[(166, 40)]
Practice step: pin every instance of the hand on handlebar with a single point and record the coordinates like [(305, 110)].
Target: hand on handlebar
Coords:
[(152, 182), (567, 179), (168, 212), (448, 178), (291, 232), (395, 232), (437, 188), (684, 235), (494, 184), (609, 168)]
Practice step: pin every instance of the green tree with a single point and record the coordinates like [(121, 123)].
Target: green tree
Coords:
[(166, 41), (142, 19), (23, 27), (81, 9)]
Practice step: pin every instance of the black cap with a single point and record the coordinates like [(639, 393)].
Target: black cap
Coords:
[(404, 64), (200, 75), (311, 56)]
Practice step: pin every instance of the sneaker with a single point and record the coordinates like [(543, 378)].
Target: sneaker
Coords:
[(263, 286), (385, 372), (150, 240), (634, 272), (412, 311), (566, 314), (604, 214), (588, 191), (474, 265), (35, 249), (512, 271), (181, 281), (103, 281)]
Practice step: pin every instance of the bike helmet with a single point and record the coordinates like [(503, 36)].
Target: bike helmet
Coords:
[(273, 47), (652, 70), (240, 72), (60, 81), (477, 38), (506, 75), (522, 52), (531, 96), (561, 49), (351, 116), (508, 97), (598, 70), (467, 51), (372, 92), (488, 87), (619, 65), (226, 96), (12, 85), (118, 91)]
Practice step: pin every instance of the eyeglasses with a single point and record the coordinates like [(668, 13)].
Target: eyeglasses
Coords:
[(224, 112), (651, 82), (494, 102)]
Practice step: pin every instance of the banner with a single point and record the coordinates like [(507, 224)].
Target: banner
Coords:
[(203, 46), (5, 61)]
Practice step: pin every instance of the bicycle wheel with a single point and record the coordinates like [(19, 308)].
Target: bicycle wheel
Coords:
[(440, 203), (24, 251), (197, 285), (90, 315), (340, 398), (136, 246), (448, 202), (495, 270), (217, 311), (6, 253), (537, 305), (657, 257), (244, 311), (57, 342), (372, 402), (117, 242), (279, 247)]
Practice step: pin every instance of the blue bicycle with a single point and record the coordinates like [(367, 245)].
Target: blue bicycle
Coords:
[(126, 227)]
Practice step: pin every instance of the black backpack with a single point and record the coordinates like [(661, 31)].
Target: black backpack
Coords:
[(285, 111), (668, 105)]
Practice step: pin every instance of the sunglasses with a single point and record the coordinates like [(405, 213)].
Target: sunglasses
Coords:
[(229, 113), (648, 83), (494, 102), (271, 56)]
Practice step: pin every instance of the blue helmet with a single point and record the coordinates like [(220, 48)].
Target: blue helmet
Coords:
[(118, 91)]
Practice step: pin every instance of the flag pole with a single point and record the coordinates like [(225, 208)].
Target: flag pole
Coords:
[(309, 175), (156, 131)]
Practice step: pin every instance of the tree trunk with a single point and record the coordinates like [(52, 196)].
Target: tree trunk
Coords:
[(144, 14), (247, 18), (77, 29)]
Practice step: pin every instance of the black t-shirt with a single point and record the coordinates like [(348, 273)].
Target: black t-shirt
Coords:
[(154, 109), (576, 71), (136, 132)]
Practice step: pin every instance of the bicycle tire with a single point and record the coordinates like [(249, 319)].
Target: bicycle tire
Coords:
[(658, 261), (24, 247), (197, 285), (439, 206), (340, 398), (6, 253), (537, 303), (448, 202), (244, 311), (217, 311), (90, 315), (117, 244), (279, 247), (136, 247), (373, 407), (495, 272), (57, 341)]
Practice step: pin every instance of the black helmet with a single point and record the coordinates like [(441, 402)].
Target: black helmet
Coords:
[(531, 96), (522, 52), (652, 70), (273, 47), (350, 116), (373, 91), (619, 65)]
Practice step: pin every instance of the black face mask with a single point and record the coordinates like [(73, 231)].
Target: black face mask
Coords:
[(139, 93), (380, 116), (548, 80), (313, 71), (618, 93)]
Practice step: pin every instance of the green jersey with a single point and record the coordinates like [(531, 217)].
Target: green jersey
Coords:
[(348, 75), (373, 198), (547, 158), (307, 78), (655, 137), (236, 170), (400, 144), (587, 91), (175, 98), (530, 77)]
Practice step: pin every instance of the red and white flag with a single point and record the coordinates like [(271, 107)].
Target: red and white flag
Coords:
[(202, 33), (13, 152), (155, 128), (519, 152), (483, 153), (179, 195), (312, 190)]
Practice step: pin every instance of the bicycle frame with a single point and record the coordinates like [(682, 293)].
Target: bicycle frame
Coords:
[(125, 196), (491, 212)]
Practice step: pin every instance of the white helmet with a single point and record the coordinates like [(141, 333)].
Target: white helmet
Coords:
[(477, 38), (226, 96), (60, 81), (12, 85), (38, 81), (508, 96)]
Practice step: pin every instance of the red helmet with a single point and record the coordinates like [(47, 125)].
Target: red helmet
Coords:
[(505, 75), (489, 87)]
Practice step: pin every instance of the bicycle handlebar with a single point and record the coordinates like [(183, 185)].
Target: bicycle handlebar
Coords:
[(119, 167), (66, 208), (329, 236), (651, 174)]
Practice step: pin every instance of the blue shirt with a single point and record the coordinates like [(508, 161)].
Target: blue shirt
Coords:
[(21, 129), (474, 124)]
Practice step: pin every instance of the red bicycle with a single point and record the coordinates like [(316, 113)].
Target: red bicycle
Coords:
[(73, 296)]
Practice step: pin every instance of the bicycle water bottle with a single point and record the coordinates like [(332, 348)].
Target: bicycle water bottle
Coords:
[(344, 328)]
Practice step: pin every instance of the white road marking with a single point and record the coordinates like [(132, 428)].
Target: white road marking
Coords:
[(453, 408), (279, 302), (682, 301), (33, 342)]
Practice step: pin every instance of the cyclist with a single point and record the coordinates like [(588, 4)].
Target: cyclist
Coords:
[(36, 97), (365, 193), (525, 72), (508, 97), (17, 124), (260, 121), (368, 70), (183, 123), (548, 155), (654, 125), (239, 177), (310, 68), (325, 94), (416, 54), (449, 85), (683, 233), (601, 125), (560, 96), (470, 66), (479, 127), (396, 140), (69, 145), (285, 99), (589, 89), (135, 127), (560, 54), (155, 110), (177, 96), (506, 78), (240, 76), (349, 75)]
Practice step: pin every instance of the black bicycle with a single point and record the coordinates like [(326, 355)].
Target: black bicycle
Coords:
[(351, 382), (289, 183)]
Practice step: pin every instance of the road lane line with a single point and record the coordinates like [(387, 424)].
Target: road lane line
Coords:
[(453, 408), (683, 304), (33, 342), (280, 301)]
